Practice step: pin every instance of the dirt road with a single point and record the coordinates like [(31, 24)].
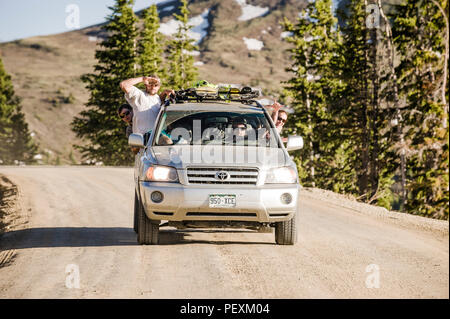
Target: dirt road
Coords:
[(80, 232)]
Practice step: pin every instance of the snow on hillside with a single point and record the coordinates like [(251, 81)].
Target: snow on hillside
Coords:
[(253, 44), (169, 8), (250, 12), (286, 34), (199, 25)]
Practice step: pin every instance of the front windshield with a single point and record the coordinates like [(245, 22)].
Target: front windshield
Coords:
[(215, 128)]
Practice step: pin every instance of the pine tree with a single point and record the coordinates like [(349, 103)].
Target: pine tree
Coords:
[(353, 113), (182, 72), (395, 161), (420, 36), (363, 113), (99, 124), (16, 143), (151, 52), (315, 84)]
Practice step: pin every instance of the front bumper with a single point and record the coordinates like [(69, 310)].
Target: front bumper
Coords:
[(191, 202)]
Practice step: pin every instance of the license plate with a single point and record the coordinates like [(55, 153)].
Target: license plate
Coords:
[(216, 200)]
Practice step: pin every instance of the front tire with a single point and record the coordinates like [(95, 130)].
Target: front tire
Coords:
[(286, 232), (148, 230), (136, 213)]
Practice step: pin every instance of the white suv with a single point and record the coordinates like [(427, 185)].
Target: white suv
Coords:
[(211, 164)]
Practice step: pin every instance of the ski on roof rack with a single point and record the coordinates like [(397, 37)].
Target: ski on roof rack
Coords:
[(204, 91)]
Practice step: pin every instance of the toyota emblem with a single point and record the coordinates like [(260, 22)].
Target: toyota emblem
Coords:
[(222, 176)]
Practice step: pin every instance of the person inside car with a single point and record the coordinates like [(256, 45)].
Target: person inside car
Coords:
[(240, 128), (240, 131)]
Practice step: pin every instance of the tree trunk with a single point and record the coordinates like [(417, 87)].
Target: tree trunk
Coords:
[(393, 76), (311, 154), (374, 178), (364, 172)]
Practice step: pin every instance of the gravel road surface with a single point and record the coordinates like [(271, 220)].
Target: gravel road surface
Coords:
[(77, 241)]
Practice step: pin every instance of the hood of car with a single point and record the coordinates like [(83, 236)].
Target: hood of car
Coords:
[(183, 156)]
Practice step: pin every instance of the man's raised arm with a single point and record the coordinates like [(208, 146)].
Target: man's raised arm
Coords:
[(126, 85)]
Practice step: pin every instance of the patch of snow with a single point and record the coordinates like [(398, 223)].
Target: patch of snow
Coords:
[(250, 12), (170, 27), (193, 53), (310, 38), (305, 16), (37, 157), (199, 25), (169, 8), (286, 34), (253, 44), (310, 77), (198, 63)]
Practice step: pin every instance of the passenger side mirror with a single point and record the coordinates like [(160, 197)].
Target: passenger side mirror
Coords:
[(136, 140), (294, 143)]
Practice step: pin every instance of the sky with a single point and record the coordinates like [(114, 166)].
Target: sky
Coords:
[(25, 18)]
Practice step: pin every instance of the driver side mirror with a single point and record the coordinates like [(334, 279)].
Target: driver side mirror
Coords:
[(294, 143)]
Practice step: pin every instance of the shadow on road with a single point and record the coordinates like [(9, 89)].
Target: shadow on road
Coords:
[(68, 237), (100, 237)]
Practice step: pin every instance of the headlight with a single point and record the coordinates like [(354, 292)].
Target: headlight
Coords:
[(281, 175), (161, 174)]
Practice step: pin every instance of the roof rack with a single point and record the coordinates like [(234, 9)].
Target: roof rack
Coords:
[(227, 94)]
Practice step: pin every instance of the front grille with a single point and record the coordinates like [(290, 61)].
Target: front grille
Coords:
[(207, 175)]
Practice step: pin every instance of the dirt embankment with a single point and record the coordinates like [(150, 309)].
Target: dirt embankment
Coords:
[(405, 220), (11, 217)]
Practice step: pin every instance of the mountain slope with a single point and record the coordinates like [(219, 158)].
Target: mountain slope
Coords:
[(240, 42)]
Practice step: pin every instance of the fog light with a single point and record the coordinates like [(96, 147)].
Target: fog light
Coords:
[(156, 197), (286, 198)]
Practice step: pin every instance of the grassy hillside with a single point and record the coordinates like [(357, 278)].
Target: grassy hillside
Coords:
[(46, 70)]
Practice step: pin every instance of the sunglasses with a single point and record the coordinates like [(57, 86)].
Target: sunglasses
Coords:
[(242, 128), (282, 120), (122, 115)]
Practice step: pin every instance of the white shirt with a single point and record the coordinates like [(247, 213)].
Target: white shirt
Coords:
[(145, 109)]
